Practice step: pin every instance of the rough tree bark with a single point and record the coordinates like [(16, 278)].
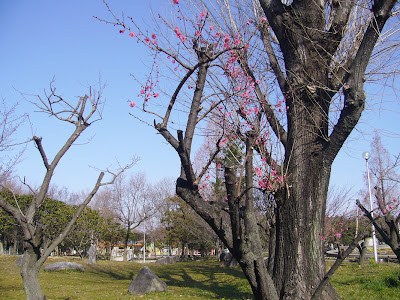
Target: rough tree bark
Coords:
[(306, 50), (310, 148)]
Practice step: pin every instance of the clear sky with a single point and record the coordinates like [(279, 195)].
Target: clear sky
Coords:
[(43, 39)]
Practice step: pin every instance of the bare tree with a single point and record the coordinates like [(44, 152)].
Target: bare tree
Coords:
[(387, 193), (134, 203), (81, 114), (10, 121), (286, 78)]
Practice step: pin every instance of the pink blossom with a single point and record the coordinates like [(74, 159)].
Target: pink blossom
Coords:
[(211, 28), (121, 31), (142, 92), (147, 40), (132, 34), (217, 34), (221, 143), (263, 19), (218, 165), (175, 1), (226, 38), (183, 39), (323, 238), (202, 14), (198, 33), (338, 235), (258, 171), (237, 41), (153, 36), (156, 95), (132, 104)]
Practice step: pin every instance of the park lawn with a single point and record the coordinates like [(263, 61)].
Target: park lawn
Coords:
[(191, 280)]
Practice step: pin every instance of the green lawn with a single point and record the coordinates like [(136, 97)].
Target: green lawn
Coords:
[(194, 280)]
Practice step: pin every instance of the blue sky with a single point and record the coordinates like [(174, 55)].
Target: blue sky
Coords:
[(45, 39)]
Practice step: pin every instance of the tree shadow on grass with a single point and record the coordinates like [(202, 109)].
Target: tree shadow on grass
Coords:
[(221, 282), (125, 272)]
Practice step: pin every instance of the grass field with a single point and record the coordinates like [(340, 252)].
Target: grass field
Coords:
[(193, 280)]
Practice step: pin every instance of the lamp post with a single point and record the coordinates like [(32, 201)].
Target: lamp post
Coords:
[(366, 155), (144, 239)]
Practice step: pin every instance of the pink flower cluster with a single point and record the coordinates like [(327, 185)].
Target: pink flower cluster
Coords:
[(179, 35)]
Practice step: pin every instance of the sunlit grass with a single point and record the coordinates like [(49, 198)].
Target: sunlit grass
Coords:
[(192, 280), (370, 281)]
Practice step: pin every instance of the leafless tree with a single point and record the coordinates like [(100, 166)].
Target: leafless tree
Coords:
[(10, 121), (80, 114), (386, 182), (134, 202)]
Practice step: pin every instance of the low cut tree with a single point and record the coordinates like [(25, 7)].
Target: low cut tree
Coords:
[(80, 114)]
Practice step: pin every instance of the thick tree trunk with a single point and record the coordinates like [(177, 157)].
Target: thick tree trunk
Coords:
[(271, 248), (299, 264), (30, 275)]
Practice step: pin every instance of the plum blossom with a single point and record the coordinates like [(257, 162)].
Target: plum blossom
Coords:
[(258, 171), (153, 36), (175, 1), (132, 104), (221, 143), (132, 34)]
